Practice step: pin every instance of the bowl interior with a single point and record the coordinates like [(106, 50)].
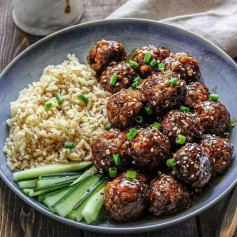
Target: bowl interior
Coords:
[(219, 73)]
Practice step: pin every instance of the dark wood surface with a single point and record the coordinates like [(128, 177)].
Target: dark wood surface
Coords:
[(19, 219)]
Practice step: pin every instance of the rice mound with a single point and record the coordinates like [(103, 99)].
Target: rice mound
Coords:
[(37, 136)]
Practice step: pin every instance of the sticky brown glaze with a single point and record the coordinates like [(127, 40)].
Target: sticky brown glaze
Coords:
[(196, 91), (168, 196), (214, 116), (126, 199), (193, 167), (107, 145), (104, 52), (161, 94), (183, 123), (123, 107), (125, 76), (145, 69), (219, 150), (149, 149), (184, 65)]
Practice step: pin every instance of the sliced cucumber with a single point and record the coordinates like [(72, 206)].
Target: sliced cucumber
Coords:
[(49, 169), (28, 184), (65, 205), (87, 173), (41, 197), (92, 209), (27, 190), (46, 182), (58, 175)]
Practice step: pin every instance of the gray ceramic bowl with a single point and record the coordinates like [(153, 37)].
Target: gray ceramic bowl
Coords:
[(218, 70)]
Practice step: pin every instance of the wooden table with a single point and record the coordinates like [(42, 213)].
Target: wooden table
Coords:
[(19, 219)]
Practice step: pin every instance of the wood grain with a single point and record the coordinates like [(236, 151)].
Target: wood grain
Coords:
[(18, 219)]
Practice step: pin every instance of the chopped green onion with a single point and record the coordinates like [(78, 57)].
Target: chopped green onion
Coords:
[(156, 125), (149, 110), (131, 174), (138, 79), (214, 97), (171, 162), (184, 109), (173, 81), (132, 133), (161, 66), (180, 139), (48, 105), (113, 80), (108, 127), (69, 145), (116, 159), (135, 84), (133, 63), (59, 98), (83, 98), (147, 57), (113, 172), (153, 63), (139, 119)]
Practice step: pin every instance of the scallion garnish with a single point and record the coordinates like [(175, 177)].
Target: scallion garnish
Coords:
[(83, 98), (112, 172), (136, 82), (180, 139), (68, 145), (171, 162), (147, 57), (116, 159), (131, 174), (133, 63), (173, 81), (113, 80), (184, 109), (161, 66), (156, 125), (139, 119), (108, 127), (59, 98), (132, 133), (214, 97), (48, 105), (153, 63), (149, 110)]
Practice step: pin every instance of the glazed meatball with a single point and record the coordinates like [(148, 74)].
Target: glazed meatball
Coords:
[(145, 69), (196, 91), (126, 199), (192, 165), (123, 107), (149, 149), (181, 123), (219, 150), (168, 196), (213, 115), (184, 65), (104, 52), (161, 94), (125, 76), (107, 145)]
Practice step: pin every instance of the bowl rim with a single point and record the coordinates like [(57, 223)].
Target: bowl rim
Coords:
[(103, 229)]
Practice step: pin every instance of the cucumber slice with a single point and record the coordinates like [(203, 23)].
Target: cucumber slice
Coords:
[(41, 197), (87, 173), (92, 209), (27, 190), (65, 205), (58, 175), (49, 169), (46, 182), (28, 184)]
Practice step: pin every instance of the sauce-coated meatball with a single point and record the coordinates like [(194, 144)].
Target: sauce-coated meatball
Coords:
[(214, 116), (161, 94), (181, 123), (184, 65), (149, 149), (219, 150), (145, 69), (123, 107), (125, 76), (104, 52), (168, 196), (126, 199), (107, 145), (193, 167), (196, 91)]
